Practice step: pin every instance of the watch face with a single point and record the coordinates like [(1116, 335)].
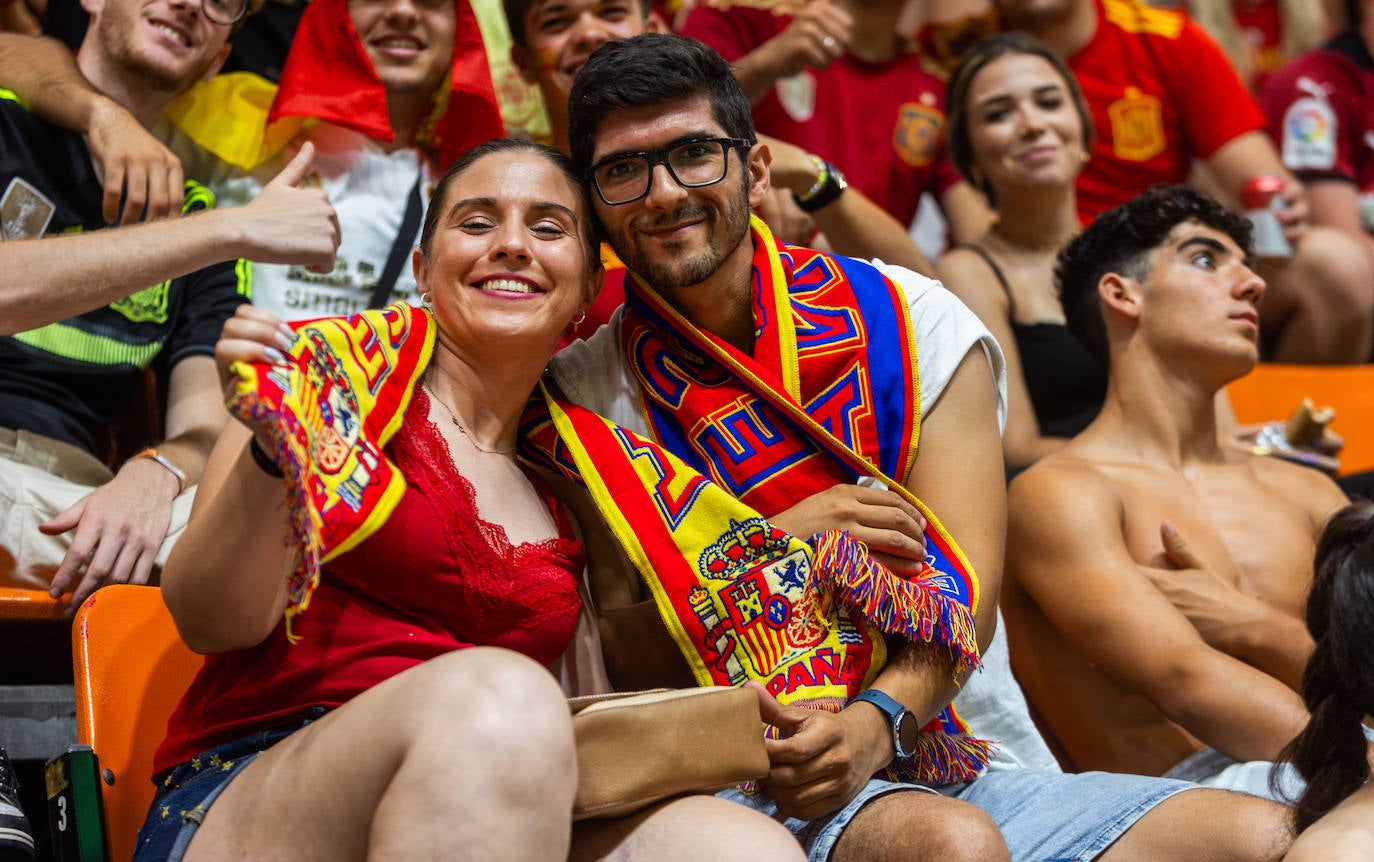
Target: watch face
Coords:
[(906, 731)]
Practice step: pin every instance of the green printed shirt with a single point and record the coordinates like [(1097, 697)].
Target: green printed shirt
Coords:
[(72, 379)]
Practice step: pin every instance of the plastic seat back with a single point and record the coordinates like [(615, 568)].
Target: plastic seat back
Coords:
[(131, 669), (18, 603), (1274, 391)]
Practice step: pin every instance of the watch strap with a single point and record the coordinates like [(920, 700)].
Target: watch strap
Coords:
[(895, 713)]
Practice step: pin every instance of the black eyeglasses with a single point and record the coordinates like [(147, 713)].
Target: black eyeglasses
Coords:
[(224, 12), (625, 178)]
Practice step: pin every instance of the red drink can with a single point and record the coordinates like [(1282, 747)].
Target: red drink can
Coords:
[(1260, 198)]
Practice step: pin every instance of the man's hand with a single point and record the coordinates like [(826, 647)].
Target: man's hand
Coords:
[(1211, 604), (1294, 216), (892, 528), (821, 759), (132, 164), (818, 36), (286, 224), (119, 528)]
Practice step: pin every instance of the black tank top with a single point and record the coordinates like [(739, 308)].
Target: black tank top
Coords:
[(1066, 384)]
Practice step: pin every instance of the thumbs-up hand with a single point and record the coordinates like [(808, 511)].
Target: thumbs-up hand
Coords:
[(288, 224)]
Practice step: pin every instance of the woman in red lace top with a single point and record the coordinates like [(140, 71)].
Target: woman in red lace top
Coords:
[(411, 713)]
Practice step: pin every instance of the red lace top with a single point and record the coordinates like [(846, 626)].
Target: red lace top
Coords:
[(434, 578)]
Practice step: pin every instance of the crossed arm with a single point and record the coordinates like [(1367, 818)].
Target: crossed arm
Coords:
[(1067, 551)]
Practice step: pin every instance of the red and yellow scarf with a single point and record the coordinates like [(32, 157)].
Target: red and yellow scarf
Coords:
[(329, 412), (743, 599)]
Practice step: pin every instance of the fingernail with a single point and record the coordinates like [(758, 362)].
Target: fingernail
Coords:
[(285, 338), (275, 356)]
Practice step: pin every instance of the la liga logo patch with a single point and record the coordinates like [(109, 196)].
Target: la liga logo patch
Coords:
[(1309, 135)]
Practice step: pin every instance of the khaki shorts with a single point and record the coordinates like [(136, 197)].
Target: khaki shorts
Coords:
[(39, 479)]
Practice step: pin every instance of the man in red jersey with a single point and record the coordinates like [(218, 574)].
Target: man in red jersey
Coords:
[(837, 80), (1163, 95), (1321, 112)]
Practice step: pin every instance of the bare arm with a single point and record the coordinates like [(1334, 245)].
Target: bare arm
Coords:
[(825, 758), (816, 37), (131, 162), (1067, 551), (1251, 155), (1336, 203), (52, 278), (121, 525), (853, 224), (225, 582), (967, 212), (967, 276)]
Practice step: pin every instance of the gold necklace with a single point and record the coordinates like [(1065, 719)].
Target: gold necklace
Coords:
[(506, 451)]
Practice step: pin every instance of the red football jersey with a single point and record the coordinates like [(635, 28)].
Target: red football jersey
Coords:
[(1161, 94), (882, 124)]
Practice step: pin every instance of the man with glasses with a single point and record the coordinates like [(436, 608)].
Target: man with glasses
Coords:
[(716, 306), (82, 326)]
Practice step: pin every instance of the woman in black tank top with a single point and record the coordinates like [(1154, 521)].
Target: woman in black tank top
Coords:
[(1018, 130)]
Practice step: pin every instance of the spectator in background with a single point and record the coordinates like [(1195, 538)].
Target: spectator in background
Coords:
[(1020, 133), (838, 80), (1335, 815), (1155, 577), (83, 324), (1162, 94), (387, 91), (1259, 36), (1321, 112)]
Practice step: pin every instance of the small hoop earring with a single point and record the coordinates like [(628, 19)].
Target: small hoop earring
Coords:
[(577, 321), (427, 300)]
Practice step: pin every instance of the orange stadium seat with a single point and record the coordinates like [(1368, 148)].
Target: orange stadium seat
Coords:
[(131, 668), (1273, 391), (17, 603)]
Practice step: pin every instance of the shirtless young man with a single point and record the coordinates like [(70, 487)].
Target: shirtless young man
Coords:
[(1139, 649)]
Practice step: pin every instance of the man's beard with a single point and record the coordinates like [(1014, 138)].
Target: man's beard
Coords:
[(673, 272), (150, 75)]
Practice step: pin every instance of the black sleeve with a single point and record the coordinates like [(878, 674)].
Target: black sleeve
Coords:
[(209, 297)]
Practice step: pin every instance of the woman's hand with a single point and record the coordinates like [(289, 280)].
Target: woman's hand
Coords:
[(252, 335)]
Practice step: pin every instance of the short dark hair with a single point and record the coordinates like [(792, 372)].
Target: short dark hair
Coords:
[(516, 10), (434, 212), (1338, 684), (1120, 241), (983, 52), (652, 69)]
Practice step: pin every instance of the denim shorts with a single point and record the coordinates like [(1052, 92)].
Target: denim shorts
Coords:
[(187, 791), (1044, 816), (818, 836), (1061, 816)]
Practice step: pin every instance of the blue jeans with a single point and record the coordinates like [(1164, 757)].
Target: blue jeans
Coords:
[(187, 791), (1044, 816)]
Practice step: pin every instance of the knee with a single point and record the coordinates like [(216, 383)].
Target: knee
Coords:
[(736, 833), (494, 701), (1332, 269), (962, 832)]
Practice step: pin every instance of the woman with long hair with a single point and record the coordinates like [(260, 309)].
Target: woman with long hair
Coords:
[(1335, 814), (1018, 131)]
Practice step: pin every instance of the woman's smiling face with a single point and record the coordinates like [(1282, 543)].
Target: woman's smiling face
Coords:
[(509, 256)]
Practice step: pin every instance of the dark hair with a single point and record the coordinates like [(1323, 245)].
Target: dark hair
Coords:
[(652, 69), (1338, 685), (510, 145), (983, 52), (516, 10), (1120, 241)]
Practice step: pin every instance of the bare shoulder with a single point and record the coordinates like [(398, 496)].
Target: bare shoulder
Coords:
[(965, 274), (1310, 490), (1347, 833), (1061, 485)]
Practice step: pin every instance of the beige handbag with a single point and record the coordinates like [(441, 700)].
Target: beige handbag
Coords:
[(636, 748)]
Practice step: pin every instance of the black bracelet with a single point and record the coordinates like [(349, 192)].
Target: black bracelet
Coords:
[(830, 189), (264, 460)]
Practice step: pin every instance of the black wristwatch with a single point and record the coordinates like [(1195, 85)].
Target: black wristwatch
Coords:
[(905, 730)]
